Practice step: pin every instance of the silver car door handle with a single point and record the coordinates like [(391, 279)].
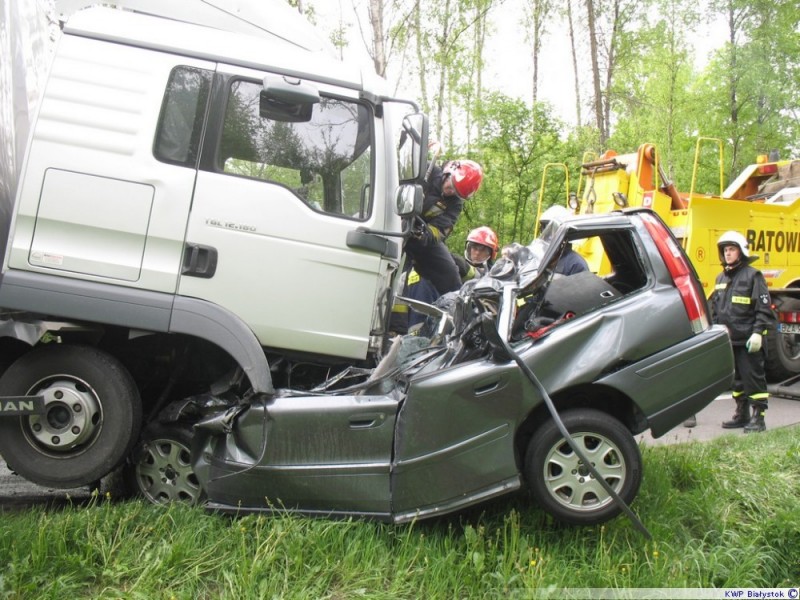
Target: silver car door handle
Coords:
[(367, 420)]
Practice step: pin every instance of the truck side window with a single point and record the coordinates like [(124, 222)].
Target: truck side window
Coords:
[(326, 161), (182, 112)]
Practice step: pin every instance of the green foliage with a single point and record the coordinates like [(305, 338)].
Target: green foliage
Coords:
[(515, 143), (654, 88), (722, 514)]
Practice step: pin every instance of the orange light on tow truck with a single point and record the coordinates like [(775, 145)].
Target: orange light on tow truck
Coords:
[(764, 166), (680, 270), (769, 169)]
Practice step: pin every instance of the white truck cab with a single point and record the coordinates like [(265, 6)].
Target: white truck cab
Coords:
[(192, 200)]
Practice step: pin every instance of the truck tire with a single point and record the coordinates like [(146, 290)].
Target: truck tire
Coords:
[(92, 416), (559, 482), (783, 356), (161, 467)]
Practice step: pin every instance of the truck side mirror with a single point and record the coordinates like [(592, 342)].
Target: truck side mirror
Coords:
[(409, 200), (412, 151), (287, 99)]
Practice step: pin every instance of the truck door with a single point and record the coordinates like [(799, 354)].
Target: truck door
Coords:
[(277, 193), (101, 199)]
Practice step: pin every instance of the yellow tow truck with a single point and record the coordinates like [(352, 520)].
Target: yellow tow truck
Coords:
[(763, 203)]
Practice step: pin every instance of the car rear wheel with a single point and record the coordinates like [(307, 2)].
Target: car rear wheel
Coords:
[(162, 467), (91, 420), (563, 485)]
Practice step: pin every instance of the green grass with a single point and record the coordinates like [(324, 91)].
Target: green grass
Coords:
[(724, 513)]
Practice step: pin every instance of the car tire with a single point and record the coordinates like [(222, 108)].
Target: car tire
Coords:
[(563, 487), (92, 418), (161, 469)]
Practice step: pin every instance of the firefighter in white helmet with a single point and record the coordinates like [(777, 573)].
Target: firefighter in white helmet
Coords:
[(741, 302), (570, 261)]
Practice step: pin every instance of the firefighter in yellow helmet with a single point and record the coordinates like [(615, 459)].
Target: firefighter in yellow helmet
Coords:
[(741, 302)]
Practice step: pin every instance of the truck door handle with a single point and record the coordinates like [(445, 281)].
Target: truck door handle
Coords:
[(363, 240), (199, 261)]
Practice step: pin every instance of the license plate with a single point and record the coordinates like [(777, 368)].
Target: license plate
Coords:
[(788, 327)]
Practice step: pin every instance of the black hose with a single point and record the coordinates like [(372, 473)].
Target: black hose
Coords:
[(575, 448)]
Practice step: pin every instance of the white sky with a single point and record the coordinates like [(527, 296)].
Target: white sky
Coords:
[(508, 66)]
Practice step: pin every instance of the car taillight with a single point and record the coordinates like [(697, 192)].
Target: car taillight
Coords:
[(789, 316), (680, 270)]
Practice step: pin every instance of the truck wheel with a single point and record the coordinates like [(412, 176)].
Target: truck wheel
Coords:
[(783, 356), (162, 467), (563, 486), (92, 416)]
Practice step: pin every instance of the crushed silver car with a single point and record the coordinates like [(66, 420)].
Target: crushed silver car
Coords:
[(477, 404)]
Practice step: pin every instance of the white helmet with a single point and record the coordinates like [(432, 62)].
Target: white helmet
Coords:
[(732, 238), (556, 213), (551, 219)]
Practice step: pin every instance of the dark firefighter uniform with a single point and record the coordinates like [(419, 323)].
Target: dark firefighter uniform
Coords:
[(405, 319), (430, 256), (741, 302)]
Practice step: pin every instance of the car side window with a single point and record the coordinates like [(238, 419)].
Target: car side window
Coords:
[(183, 109), (326, 161)]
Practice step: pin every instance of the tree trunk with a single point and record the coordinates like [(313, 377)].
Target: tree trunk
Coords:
[(574, 64), (422, 57), (733, 83), (378, 38), (444, 67), (616, 28), (535, 13), (598, 97)]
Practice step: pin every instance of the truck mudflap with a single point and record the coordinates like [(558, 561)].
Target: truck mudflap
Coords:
[(16, 406)]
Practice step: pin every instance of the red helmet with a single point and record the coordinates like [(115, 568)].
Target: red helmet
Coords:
[(483, 236), (467, 176)]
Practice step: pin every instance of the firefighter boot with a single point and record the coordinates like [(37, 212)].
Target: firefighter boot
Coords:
[(756, 423), (741, 417)]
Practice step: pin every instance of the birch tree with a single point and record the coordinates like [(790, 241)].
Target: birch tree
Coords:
[(536, 14), (378, 36)]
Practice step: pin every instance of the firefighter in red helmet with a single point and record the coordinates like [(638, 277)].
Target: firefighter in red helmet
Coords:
[(447, 188), (480, 251)]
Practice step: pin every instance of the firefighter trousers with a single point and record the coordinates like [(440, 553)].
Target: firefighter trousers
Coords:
[(750, 379)]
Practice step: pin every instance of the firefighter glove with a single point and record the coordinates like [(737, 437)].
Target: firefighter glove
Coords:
[(463, 266), (427, 234), (753, 343)]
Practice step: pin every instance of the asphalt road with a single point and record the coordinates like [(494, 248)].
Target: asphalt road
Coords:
[(782, 412), (17, 493)]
